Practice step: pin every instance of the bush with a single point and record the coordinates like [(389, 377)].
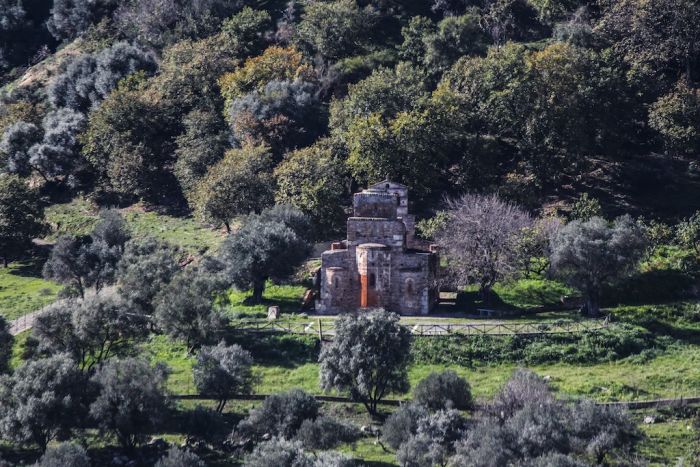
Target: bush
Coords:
[(280, 415), (64, 455), (402, 424), (180, 458), (443, 390), (326, 433)]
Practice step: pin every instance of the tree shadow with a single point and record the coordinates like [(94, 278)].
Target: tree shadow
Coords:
[(277, 349)]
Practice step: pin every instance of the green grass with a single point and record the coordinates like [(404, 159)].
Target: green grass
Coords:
[(287, 297), (533, 293), (627, 379), (22, 290), (79, 216), (669, 442)]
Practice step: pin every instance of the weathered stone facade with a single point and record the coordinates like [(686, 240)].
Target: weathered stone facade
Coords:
[(378, 265)]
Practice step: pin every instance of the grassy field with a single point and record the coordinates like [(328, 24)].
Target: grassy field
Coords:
[(79, 217), (669, 442), (22, 290)]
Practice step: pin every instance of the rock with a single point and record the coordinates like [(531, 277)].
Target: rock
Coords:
[(546, 377), (649, 420), (266, 437), (273, 313)]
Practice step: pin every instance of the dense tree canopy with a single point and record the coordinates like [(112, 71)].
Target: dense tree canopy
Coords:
[(21, 217)]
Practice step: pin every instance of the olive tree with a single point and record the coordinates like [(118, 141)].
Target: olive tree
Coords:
[(265, 247), (480, 239), (145, 268), (41, 401), (185, 308), (528, 425), (223, 371), (132, 400), (89, 260), (280, 415), (591, 254), (91, 331), (368, 357), (445, 390)]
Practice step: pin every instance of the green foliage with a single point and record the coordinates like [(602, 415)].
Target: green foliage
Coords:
[(427, 228), (201, 146), (688, 232), (591, 254), (314, 180), (676, 116), (42, 400), (21, 217), (368, 357), (585, 208), (280, 414), (223, 371), (606, 345), (128, 143), (131, 400), (90, 331), (240, 184), (446, 390), (145, 268), (265, 247), (64, 455), (336, 29), (180, 458), (185, 308)]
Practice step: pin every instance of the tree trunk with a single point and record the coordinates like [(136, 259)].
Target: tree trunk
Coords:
[(592, 305), (258, 289), (228, 227)]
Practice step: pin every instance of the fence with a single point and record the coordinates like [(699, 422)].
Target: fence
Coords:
[(326, 328), (631, 405)]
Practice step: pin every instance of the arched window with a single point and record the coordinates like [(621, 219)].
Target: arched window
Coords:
[(409, 286), (335, 282), (372, 280)]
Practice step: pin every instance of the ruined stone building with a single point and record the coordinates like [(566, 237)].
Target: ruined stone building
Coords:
[(378, 265)]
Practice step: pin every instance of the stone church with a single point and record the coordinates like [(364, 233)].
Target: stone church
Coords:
[(379, 266)]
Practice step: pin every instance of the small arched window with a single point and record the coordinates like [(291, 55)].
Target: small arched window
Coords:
[(335, 282), (372, 280), (409, 287)]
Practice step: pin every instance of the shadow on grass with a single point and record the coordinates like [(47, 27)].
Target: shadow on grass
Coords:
[(276, 349), (31, 266)]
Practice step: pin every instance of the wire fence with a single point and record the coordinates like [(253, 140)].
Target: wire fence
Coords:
[(326, 329)]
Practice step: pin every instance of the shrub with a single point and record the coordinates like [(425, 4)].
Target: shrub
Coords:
[(402, 424), (326, 433), (443, 390), (280, 415), (64, 455), (180, 458)]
